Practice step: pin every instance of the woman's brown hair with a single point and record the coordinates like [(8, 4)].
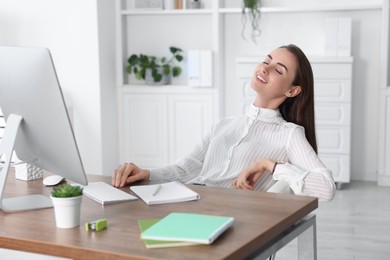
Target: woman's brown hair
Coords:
[(300, 109)]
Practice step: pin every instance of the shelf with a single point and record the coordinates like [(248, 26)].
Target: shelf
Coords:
[(168, 12), (237, 10), (179, 89), (322, 59), (314, 8)]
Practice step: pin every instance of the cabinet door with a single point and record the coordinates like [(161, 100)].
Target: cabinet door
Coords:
[(190, 119), (339, 164), (144, 124), (2, 125), (384, 178)]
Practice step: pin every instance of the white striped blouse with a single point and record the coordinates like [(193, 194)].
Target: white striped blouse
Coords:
[(236, 142)]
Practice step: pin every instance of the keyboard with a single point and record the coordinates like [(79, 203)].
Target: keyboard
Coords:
[(104, 193)]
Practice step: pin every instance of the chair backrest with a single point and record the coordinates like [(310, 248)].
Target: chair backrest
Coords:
[(281, 187)]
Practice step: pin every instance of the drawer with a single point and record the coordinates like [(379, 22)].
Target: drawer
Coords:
[(324, 90), (321, 70), (333, 114), (339, 165), (332, 90), (332, 70), (246, 70), (333, 139)]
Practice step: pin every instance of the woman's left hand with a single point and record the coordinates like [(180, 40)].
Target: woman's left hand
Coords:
[(249, 176)]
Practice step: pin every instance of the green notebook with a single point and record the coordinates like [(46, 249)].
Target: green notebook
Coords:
[(144, 224), (188, 227)]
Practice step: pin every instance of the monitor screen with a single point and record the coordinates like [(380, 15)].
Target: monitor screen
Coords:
[(29, 87)]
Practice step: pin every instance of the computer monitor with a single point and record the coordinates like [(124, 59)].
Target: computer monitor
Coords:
[(32, 102)]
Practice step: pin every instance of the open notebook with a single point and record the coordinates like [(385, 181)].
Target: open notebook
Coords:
[(169, 192)]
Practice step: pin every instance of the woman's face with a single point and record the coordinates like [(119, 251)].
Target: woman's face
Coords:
[(273, 78)]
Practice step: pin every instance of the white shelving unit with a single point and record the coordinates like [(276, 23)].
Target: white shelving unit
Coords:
[(160, 124)]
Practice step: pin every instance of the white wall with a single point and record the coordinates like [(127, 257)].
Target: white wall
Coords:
[(69, 29), (108, 109)]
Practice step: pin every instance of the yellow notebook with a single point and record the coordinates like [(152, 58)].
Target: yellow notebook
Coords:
[(144, 224)]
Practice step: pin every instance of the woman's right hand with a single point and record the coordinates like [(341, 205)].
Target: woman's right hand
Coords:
[(128, 173)]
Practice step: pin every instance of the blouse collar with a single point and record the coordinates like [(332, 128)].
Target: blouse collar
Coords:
[(265, 114)]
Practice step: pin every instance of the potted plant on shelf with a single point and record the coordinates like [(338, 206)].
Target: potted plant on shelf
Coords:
[(155, 71), (251, 13), (66, 200)]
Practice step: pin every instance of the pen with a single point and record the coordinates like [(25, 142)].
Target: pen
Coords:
[(156, 190)]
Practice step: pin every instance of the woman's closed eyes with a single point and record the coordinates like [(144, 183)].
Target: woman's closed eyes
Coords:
[(279, 68)]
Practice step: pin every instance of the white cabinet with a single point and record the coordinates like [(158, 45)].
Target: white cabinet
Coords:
[(190, 118), (332, 94), (143, 124), (159, 125)]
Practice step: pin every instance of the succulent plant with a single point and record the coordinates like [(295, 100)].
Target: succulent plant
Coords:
[(66, 191)]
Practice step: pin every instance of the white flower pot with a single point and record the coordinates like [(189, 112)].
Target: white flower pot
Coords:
[(67, 211), (166, 79)]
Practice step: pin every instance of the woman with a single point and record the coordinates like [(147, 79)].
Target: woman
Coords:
[(275, 140)]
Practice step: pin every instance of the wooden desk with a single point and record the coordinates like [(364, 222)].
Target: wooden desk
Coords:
[(259, 218)]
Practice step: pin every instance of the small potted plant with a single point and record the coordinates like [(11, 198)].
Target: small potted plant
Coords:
[(66, 200), (155, 71)]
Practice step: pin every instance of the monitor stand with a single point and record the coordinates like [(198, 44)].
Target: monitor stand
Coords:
[(23, 203)]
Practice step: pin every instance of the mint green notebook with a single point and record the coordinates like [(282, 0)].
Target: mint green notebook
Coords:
[(144, 224), (197, 228)]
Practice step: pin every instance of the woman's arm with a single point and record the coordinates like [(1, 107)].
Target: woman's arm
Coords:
[(184, 170), (305, 173)]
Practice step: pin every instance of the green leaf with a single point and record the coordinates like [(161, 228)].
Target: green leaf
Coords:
[(139, 75), (129, 68), (156, 76), (174, 49), (251, 3), (153, 63), (66, 191), (179, 57), (176, 71), (143, 59), (133, 60), (166, 69)]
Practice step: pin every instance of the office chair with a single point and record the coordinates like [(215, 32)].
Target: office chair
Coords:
[(279, 187)]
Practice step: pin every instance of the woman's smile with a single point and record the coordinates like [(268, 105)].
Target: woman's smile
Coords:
[(261, 78)]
